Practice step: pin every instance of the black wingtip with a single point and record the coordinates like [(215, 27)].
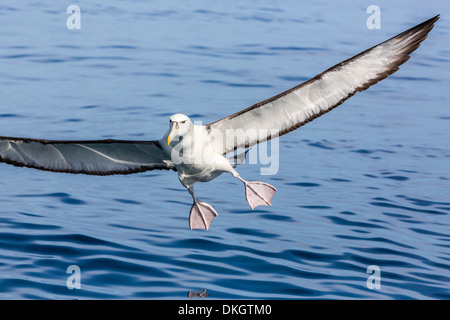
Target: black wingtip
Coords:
[(431, 20), (428, 22), (434, 19)]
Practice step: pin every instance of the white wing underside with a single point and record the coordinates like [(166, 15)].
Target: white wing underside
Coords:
[(295, 107)]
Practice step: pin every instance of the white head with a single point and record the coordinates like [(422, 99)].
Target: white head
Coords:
[(180, 125)]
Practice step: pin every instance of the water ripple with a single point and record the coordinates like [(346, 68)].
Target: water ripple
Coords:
[(364, 185)]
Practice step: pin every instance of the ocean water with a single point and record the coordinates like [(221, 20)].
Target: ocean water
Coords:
[(365, 185)]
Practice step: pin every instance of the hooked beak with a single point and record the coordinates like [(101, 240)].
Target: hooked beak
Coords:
[(173, 132)]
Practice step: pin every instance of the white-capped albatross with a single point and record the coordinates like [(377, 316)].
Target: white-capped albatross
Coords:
[(197, 152)]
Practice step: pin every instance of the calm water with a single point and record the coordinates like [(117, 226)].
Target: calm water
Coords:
[(367, 184)]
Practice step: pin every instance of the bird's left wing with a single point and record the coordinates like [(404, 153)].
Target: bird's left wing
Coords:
[(293, 108), (96, 157)]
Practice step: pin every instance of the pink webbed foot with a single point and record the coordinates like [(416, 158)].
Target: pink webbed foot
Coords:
[(201, 215), (259, 193)]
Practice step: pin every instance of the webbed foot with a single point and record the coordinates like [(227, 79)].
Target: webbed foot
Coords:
[(201, 215), (258, 193)]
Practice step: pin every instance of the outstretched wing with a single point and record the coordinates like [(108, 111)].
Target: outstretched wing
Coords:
[(293, 108), (101, 157)]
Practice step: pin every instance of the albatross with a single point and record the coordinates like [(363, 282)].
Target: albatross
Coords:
[(199, 152)]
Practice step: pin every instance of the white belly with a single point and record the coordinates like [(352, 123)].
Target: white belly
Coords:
[(203, 172)]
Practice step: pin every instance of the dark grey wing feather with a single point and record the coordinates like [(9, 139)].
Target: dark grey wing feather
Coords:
[(96, 157)]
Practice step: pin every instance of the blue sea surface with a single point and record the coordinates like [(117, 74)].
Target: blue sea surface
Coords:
[(364, 185)]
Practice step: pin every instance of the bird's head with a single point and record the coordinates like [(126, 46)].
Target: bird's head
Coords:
[(179, 125)]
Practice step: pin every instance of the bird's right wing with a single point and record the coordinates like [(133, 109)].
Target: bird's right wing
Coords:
[(293, 108), (96, 157)]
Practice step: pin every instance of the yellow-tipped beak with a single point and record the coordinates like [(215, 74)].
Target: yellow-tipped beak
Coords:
[(173, 132)]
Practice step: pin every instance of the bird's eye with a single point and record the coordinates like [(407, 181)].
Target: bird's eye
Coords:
[(183, 122), (170, 121)]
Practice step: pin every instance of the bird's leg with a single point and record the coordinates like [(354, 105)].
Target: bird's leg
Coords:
[(257, 193), (202, 214)]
